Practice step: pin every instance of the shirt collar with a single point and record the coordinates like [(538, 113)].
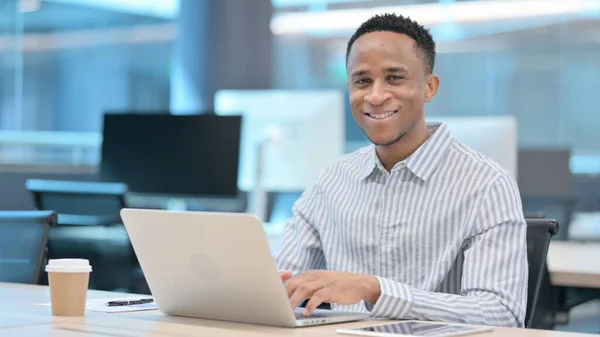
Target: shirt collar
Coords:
[(423, 161)]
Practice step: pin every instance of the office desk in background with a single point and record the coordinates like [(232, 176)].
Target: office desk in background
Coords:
[(19, 317), (574, 264)]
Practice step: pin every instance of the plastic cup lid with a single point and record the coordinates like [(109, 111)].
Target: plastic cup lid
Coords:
[(68, 266)]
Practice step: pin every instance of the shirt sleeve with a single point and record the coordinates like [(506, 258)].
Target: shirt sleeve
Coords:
[(301, 248), (495, 271)]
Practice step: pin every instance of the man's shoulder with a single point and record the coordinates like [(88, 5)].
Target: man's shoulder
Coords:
[(357, 157), (479, 163), (352, 163)]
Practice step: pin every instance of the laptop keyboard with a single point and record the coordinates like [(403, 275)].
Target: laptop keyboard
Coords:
[(314, 315)]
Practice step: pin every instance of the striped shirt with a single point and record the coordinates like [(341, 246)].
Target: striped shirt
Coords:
[(443, 232)]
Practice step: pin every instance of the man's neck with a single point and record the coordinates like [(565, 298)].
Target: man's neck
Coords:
[(392, 154)]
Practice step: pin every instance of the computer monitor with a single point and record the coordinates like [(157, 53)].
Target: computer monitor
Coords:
[(554, 162), (493, 136), (176, 156), (299, 132)]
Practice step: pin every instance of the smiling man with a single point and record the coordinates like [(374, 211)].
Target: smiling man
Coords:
[(417, 225)]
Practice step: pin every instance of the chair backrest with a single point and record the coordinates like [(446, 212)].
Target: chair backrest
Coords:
[(76, 197), (539, 234), (23, 238)]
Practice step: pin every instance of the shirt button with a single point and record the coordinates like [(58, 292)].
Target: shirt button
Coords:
[(384, 242), (390, 191)]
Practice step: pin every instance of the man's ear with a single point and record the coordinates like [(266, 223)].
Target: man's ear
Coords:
[(432, 86)]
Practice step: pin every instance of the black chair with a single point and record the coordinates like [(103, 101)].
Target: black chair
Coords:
[(540, 305), (560, 208), (89, 226), (23, 238), (91, 203)]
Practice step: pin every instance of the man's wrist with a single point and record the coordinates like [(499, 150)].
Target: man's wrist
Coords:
[(372, 289)]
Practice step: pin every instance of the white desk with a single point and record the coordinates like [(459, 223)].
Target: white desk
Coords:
[(574, 264), (18, 317)]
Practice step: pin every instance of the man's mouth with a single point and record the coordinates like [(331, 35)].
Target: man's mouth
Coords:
[(382, 115)]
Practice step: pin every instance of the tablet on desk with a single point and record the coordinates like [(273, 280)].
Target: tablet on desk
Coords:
[(413, 328)]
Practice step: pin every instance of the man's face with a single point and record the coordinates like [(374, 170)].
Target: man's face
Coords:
[(388, 86)]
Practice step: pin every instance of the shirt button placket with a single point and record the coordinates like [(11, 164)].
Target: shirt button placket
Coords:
[(385, 228)]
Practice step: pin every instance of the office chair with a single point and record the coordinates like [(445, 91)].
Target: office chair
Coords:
[(89, 226), (23, 238), (70, 199), (540, 309)]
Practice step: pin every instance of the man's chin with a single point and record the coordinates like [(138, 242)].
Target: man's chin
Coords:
[(378, 141), (384, 144)]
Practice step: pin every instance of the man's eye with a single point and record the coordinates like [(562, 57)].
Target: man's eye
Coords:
[(362, 81), (395, 78)]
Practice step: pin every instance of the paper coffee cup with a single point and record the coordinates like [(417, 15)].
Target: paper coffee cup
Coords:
[(68, 280)]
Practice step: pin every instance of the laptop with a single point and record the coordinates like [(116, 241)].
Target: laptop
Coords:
[(215, 266)]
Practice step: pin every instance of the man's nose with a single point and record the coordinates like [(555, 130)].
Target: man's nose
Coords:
[(377, 95)]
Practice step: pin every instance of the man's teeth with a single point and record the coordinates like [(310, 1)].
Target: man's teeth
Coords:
[(382, 115)]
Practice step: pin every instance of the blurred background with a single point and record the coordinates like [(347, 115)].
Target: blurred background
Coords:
[(66, 66)]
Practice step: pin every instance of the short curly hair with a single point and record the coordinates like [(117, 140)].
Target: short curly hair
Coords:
[(402, 25)]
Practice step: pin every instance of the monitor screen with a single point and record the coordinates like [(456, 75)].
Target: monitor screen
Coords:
[(493, 136), (172, 155), (302, 132)]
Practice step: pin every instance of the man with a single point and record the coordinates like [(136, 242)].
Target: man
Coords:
[(417, 225)]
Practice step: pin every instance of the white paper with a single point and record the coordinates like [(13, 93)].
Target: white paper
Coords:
[(99, 305)]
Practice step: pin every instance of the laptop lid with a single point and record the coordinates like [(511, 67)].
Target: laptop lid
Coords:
[(209, 265)]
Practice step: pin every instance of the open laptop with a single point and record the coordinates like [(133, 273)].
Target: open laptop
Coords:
[(215, 266)]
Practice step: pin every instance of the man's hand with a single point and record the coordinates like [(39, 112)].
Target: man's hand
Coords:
[(331, 287), (285, 276)]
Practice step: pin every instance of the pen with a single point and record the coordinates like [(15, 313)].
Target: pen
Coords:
[(132, 302)]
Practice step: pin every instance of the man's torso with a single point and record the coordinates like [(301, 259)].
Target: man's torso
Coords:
[(410, 225)]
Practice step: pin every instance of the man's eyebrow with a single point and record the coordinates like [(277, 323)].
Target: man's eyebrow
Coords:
[(359, 73), (396, 70), (385, 70)]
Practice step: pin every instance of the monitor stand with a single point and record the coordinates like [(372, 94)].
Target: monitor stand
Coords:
[(176, 204), (258, 206), (258, 198)]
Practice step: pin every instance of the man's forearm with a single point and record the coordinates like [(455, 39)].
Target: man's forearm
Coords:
[(400, 301)]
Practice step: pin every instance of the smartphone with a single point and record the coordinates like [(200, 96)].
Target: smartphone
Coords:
[(416, 328)]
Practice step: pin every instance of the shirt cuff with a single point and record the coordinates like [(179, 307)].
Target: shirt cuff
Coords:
[(395, 301)]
